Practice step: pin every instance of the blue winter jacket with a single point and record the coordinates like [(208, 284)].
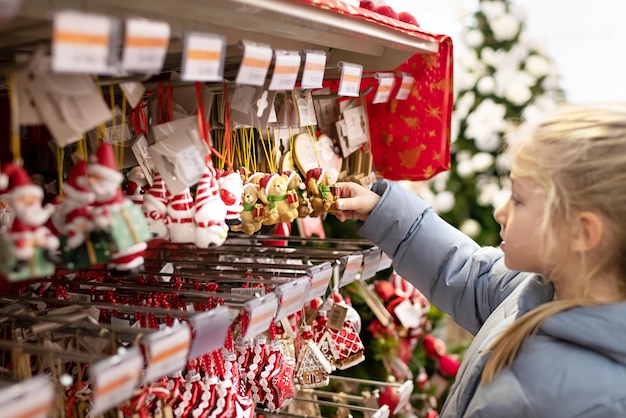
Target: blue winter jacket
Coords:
[(574, 367)]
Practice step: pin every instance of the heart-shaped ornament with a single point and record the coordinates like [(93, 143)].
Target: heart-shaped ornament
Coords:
[(309, 153)]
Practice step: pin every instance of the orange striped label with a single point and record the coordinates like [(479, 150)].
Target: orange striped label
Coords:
[(286, 69), (111, 386), (172, 351), (291, 300), (261, 318), (350, 78), (203, 55), (35, 412), (318, 283), (255, 62), (406, 86), (146, 42), (80, 38), (384, 88), (314, 66)]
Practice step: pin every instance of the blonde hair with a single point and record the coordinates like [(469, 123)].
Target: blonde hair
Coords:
[(575, 155)]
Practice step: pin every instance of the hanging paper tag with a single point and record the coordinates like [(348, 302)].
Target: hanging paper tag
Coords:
[(292, 296), (140, 151), (209, 331), (261, 312), (81, 42), (166, 351), (404, 392), (371, 258), (405, 87), (320, 276), (255, 64), (30, 398), (133, 91), (146, 45), (408, 313), (352, 264), (203, 57), (314, 67), (385, 85), (383, 412), (114, 380), (337, 317), (385, 262), (350, 80), (286, 69)]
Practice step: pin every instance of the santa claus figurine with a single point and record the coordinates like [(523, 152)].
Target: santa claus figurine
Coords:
[(179, 219), (155, 207), (135, 185), (211, 228), (105, 182), (28, 232), (231, 192)]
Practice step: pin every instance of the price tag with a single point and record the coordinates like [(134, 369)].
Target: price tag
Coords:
[(405, 87), (203, 57), (114, 380), (384, 263), (382, 412), (286, 69), (371, 258), (261, 312), (404, 392), (386, 82), (350, 80), (133, 90), (314, 67), (320, 276), (408, 313), (254, 65), (248, 291), (292, 296), (352, 265), (30, 398), (209, 331), (145, 46), (166, 351), (81, 42)]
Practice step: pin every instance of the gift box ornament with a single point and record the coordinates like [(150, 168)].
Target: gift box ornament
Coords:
[(94, 250), (129, 227), (10, 267)]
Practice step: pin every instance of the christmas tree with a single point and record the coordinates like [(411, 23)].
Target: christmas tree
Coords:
[(502, 78)]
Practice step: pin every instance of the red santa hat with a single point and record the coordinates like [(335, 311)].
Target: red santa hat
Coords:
[(316, 173), (77, 186), (103, 164), (256, 177), (290, 175), (207, 188), (266, 182), (15, 181), (157, 195)]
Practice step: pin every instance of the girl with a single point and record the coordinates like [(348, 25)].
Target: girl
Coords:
[(550, 342)]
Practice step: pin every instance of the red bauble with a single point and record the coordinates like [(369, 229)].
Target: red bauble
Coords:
[(386, 11), (449, 366), (434, 347), (407, 17), (384, 290), (389, 396)]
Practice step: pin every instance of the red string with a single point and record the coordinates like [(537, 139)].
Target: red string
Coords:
[(170, 102)]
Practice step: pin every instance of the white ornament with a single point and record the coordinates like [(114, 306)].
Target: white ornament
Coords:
[(484, 122), (537, 65), (464, 169), (444, 202), (481, 161), (474, 38), (505, 27), (470, 227), (492, 9), (180, 222), (210, 216), (518, 94), (485, 85)]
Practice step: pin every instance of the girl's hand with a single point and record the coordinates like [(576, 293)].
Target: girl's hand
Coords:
[(356, 202)]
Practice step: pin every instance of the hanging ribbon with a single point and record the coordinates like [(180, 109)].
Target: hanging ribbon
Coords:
[(227, 138), (16, 146)]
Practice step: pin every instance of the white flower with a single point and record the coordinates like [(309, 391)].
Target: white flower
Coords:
[(537, 65), (481, 161), (444, 202), (470, 227), (464, 169), (484, 122), (474, 38), (464, 155), (492, 9), (505, 27), (518, 93), (486, 85)]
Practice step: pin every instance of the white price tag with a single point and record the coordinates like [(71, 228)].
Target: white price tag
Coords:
[(31, 398), (405, 87), (386, 82), (352, 264), (371, 258), (81, 42), (350, 80), (133, 90), (320, 276), (203, 57), (314, 67), (166, 351), (114, 380), (248, 291), (261, 312), (382, 412), (209, 331), (292, 296), (254, 65), (404, 392), (408, 313), (145, 46), (286, 68), (384, 263)]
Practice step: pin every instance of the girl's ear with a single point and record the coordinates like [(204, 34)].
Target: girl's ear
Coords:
[(590, 231)]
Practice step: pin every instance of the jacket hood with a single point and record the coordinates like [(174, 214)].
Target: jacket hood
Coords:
[(600, 328)]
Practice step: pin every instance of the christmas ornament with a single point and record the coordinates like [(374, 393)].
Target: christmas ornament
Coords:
[(136, 183), (28, 248), (321, 195), (231, 192), (253, 212), (155, 207), (273, 193), (210, 216), (179, 218), (116, 217), (341, 344), (6, 214), (312, 368), (297, 186)]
